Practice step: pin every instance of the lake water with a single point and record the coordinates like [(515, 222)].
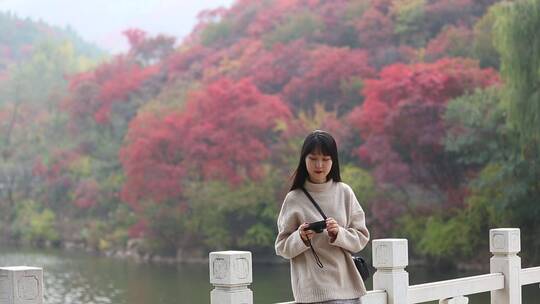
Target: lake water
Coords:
[(72, 278)]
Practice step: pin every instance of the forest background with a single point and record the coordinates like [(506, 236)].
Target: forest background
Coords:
[(188, 147)]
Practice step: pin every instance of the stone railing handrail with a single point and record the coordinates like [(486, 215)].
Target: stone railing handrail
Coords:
[(454, 288), (391, 280), (529, 276)]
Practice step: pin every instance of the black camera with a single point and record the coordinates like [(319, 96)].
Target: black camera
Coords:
[(318, 227)]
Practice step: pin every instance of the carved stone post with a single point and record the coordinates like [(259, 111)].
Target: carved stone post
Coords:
[(505, 244), (231, 274), (390, 257), (21, 285)]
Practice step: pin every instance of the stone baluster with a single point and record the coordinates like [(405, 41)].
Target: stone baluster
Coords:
[(231, 274), (505, 244), (21, 285), (390, 257)]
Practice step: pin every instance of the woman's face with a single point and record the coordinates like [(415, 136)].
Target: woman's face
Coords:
[(318, 166)]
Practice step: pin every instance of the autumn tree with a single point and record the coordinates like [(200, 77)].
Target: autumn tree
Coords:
[(149, 50), (94, 93), (375, 28), (401, 123), (272, 69), (329, 73), (223, 133)]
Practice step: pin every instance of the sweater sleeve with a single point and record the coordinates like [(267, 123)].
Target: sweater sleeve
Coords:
[(288, 244), (355, 236)]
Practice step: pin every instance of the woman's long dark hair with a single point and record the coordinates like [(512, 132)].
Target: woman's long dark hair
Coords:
[(317, 141)]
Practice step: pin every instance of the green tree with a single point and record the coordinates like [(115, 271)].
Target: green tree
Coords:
[(361, 182), (483, 46), (35, 224), (518, 41), (298, 25), (239, 217), (409, 24), (216, 32)]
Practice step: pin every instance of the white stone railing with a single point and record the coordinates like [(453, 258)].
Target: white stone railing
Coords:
[(230, 272), (21, 285)]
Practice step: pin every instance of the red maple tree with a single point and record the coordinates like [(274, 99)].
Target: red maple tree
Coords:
[(325, 72), (224, 132), (401, 121)]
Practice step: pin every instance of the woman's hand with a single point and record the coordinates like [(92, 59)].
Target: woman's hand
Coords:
[(306, 234), (332, 228)]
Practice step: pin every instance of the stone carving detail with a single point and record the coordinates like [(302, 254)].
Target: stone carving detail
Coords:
[(220, 268), (241, 268), (498, 241), (28, 288)]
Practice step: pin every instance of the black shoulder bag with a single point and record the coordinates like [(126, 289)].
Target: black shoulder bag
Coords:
[(359, 262)]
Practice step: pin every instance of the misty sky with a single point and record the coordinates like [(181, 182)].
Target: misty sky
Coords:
[(102, 21)]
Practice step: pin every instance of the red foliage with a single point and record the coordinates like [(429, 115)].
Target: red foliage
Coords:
[(94, 93), (336, 26), (401, 84), (117, 81), (149, 49), (151, 161), (58, 165), (86, 194), (139, 229), (376, 34), (325, 71), (187, 63), (401, 120), (382, 213), (272, 69), (224, 132), (375, 28), (135, 37)]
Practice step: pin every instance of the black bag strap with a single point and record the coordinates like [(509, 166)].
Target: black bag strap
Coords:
[(314, 203), (319, 263)]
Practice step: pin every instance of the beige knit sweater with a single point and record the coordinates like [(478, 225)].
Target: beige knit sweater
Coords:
[(339, 278)]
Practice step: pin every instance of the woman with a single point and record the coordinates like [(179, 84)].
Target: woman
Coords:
[(327, 273)]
